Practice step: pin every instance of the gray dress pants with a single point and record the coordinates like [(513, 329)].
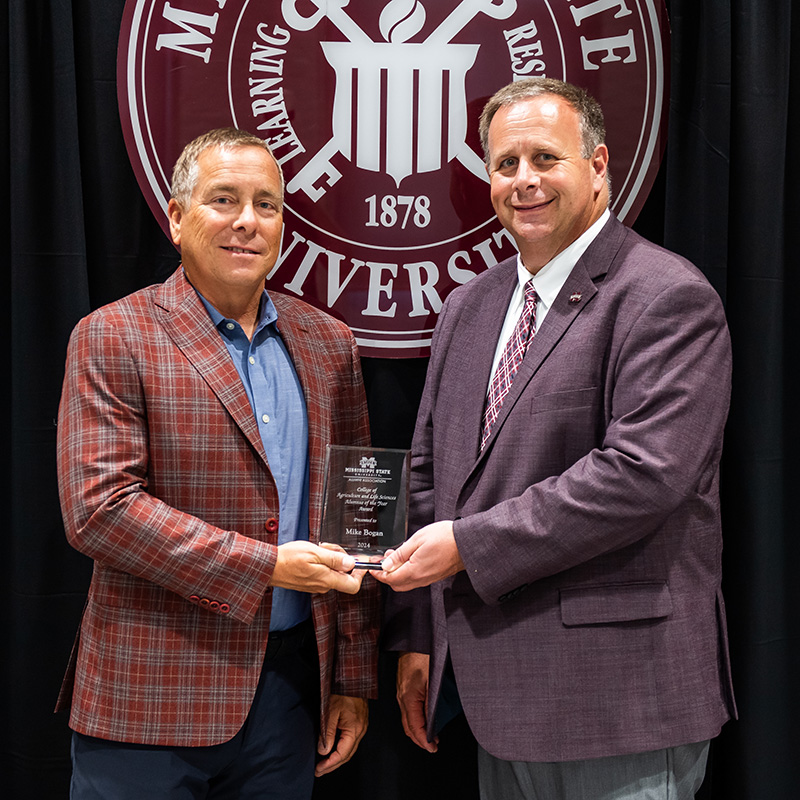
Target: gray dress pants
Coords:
[(675, 773)]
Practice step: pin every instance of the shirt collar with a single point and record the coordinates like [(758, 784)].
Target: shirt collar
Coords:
[(552, 276), (267, 314)]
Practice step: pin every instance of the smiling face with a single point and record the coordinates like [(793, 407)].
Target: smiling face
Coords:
[(544, 192), (230, 233)]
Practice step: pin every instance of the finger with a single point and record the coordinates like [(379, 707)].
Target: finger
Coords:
[(413, 718), (396, 558), (335, 558), (328, 764), (379, 562), (348, 583), (345, 748), (399, 581)]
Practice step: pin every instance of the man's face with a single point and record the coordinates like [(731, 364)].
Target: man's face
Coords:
[(543, 191), (230, 234)]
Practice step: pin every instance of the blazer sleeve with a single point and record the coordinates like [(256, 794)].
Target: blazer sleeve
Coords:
[(669, 394), (109, 514)]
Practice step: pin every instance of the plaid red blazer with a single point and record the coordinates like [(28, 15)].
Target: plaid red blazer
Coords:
[(164, 482)]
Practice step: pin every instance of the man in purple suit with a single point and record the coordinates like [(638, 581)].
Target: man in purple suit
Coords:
[(565, 488)]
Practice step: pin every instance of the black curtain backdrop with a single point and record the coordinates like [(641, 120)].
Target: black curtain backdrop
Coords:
[(80, 235)]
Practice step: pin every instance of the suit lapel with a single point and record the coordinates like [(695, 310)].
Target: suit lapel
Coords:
[(488, 307), (187, 323), (575, 296)]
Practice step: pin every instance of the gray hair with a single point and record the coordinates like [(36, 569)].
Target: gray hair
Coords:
[(590, 115), (184, 174)]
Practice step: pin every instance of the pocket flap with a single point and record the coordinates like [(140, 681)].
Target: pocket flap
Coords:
[(622, 602)]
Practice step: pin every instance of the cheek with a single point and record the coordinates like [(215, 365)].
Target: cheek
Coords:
[(271, 230), (497, 193), (204, 234)]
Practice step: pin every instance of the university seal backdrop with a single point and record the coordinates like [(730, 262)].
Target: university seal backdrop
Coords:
[(372, 110)]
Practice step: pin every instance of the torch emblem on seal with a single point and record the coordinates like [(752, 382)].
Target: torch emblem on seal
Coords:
[(415, 132)]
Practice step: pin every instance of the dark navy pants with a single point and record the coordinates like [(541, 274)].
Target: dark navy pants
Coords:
[(271, 758)]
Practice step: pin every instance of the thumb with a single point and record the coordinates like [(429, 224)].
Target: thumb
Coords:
[(334, 557), (394, 559)]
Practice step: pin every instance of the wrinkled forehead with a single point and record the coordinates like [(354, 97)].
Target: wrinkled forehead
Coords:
[(543, 110), (543, 117), (229, 166)]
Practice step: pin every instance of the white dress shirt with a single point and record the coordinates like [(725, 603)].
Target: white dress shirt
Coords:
[(547, 282)]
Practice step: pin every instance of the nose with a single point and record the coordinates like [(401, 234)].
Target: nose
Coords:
[(527, 176), (246, 218)]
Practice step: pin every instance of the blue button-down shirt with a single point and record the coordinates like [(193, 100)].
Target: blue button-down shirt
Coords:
[(277, 400)]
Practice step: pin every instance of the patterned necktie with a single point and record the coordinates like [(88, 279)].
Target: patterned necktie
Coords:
[(511, 358)]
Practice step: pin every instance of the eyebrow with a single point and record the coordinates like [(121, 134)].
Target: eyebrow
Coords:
[(216, 188), (221, 187)]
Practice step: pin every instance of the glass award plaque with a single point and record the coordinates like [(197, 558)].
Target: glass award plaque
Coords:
[(365, 507)]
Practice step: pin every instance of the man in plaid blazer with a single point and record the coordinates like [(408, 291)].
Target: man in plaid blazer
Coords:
[(220, 643)]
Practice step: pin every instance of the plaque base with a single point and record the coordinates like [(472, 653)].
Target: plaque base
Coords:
[(368, 565)]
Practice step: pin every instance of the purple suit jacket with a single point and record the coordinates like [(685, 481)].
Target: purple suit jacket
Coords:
[(164, 482), (589, 619)]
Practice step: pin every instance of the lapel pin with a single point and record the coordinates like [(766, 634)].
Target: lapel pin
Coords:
[(575, 297)]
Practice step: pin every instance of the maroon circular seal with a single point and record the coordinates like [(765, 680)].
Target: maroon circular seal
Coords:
[(372, 110)]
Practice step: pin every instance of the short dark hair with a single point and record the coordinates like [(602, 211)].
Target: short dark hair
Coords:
[(593, 129), (184, 174)]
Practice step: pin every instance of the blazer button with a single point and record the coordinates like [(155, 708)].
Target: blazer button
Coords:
[(224, 608), (204, 602), (214, 605), (194, 599), (271, 525)]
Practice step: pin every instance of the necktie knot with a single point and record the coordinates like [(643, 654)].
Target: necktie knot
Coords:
[(530, 293)]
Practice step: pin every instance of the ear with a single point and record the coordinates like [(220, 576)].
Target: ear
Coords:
[(600, 166), (175, 215)]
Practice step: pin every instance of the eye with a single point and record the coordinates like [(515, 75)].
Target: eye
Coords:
[(507, 164), (546, 158)]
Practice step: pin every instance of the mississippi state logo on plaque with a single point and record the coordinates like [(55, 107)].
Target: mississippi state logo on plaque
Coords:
[(372, 110)]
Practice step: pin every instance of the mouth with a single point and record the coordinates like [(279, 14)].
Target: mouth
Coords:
[(531, 206), (243, 250)]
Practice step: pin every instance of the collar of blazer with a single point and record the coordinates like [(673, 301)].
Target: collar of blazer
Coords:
[(187, 323), (575, 296)]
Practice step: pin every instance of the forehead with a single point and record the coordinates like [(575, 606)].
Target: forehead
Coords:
[(243, 167), (547, 119)]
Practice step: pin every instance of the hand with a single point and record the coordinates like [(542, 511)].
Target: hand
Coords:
[(412, 696), (307, 567), (348, 716), (428, 556)]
